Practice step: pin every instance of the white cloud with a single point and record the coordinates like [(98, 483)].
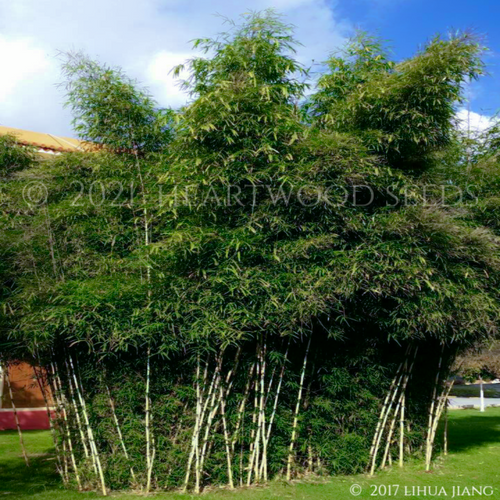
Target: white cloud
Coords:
[(472, 121), (145, 38), (162, 82), (20, 60)]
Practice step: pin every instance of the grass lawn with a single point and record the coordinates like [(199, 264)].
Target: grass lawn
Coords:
[(473, 461)]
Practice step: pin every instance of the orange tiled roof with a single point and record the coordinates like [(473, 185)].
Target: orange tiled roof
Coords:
[(46, 143)]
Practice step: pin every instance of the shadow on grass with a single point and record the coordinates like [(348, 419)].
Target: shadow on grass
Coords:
[(468, 431), (471, 430), (16, 478)]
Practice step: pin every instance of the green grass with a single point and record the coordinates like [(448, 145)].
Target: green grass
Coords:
[(474, 458)]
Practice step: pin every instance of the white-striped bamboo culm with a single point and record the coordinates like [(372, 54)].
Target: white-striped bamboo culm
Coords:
[(296, 416), (394, 390), (433, 413), (93, 448), (64, 413), (118, 430)]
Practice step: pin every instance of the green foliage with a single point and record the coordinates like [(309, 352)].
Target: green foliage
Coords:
[(402, 110), (110, 109), (13, 156)]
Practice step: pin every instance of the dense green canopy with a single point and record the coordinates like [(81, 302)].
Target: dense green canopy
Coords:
[(258, 211)]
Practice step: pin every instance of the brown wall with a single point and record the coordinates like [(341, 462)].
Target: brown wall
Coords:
[(25, 388)]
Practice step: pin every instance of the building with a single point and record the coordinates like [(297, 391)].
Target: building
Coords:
[(27, 398), (45, 144)]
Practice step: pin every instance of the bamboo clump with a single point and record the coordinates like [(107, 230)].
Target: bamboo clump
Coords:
[(395, 395), (93, 448), (60, 400), (441, 404)]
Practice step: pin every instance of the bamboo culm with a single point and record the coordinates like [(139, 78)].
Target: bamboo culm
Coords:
[(398, 410), (383, 411), (384, 414), (77, 414), (93, 447), (432, 411), (150, 452), (59, 390), (118, 430), (59, 408), (296, 416), (443, 401)]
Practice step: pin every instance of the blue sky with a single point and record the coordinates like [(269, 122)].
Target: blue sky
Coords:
[(409, 23), (148, 37)]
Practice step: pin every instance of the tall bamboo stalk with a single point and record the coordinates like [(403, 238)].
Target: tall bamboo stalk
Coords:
[(445, 432), (391, 429), (267, 432), (296, 416), (428, 443), (276, 397), (59, 394), (384, 413), (93, 447), (226, 440), (195, 437), (397, 411), (262, 471), (118, 430), (254, 434), (402, 432), (214, 407), (16, 417), (443, 402), (149, 453), (241, 408), (203, 401), (77, 413), (59, 408)]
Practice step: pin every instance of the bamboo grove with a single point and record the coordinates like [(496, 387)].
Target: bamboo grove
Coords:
[(272, 281)]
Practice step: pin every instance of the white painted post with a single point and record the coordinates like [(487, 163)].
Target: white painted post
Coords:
[(481, 395)]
